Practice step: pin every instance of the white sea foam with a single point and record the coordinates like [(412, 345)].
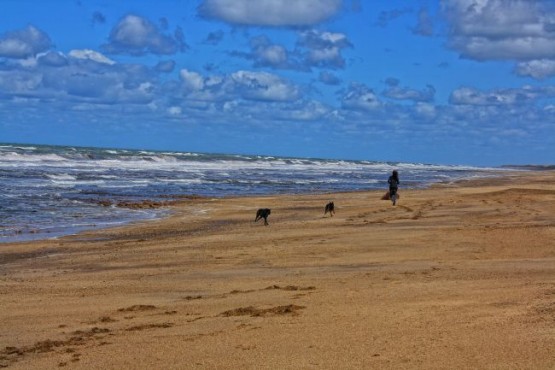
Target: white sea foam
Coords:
[(61, 177), (31, 148), (31, 159)]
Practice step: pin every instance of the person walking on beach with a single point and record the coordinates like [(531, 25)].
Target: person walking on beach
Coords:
[(393, 186)]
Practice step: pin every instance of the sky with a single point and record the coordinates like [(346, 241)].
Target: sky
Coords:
[(445, 81)]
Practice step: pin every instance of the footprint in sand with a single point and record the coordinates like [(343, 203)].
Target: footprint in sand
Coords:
[(138, 307), (150, 326), (191, 297), (104, 320), (290, 287), (78, 338), (260, 312)]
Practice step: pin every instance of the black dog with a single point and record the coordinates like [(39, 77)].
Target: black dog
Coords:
[(330, 207), (263, 213)]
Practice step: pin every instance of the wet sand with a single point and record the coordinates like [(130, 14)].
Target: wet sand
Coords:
[(456, 276)]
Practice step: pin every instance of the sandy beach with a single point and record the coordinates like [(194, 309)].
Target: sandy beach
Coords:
[(458, 276)]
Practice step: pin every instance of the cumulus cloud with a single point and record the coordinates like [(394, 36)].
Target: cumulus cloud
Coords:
[(324, 48), (500, 97), (53, 59), (360, 97), (501, 29), (247, 85), (19, 83), (21, 44), (87, 54), (264, 53), (405, 93), (306, 111), (318, 40), (136, 35), (426, 110), (272, 13), (82, 76), (313, 49), (538, 69), (192, 81), (264, 86)]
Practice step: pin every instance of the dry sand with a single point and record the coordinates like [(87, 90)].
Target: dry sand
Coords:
[(454, 277)]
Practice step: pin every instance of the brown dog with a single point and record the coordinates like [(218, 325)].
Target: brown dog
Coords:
[(263, 213), (330, 207)]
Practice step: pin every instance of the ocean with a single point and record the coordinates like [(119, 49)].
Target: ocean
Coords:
[(49, 191)]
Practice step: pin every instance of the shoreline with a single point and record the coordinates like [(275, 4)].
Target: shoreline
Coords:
[(168, 206), (454, 276)]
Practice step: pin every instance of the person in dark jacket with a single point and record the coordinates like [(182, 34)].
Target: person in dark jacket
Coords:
[(393, 182)]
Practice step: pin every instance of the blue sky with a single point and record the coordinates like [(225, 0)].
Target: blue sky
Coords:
[(448, 82)]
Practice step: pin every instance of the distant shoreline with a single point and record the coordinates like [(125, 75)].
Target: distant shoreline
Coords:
[(531, 167), (170, 207), (55, 190)]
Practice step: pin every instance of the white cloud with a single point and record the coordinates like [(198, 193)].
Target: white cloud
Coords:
[(276, 111), (82, 77), (265, 53), (24, 43), (273, 13), (263, 86), (317, 39), (361, 97), (52, 58), (324, 48), (501, 29), (405, 93), (19, 83), (87, 54), (136, 35), (500, 97), (313, 49), (30, 62), (426, 110), (191, 80), (245, 85), (323, 56), (175, 111), (274, 54), (308, 111), (538, 69)]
